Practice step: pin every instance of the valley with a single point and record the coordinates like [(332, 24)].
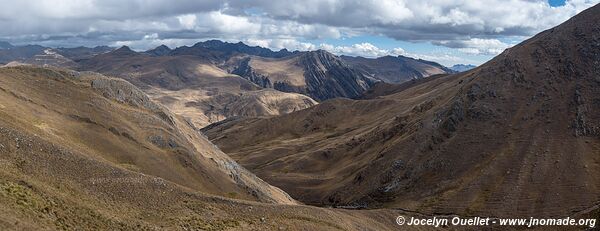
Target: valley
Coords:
[(211, 123)]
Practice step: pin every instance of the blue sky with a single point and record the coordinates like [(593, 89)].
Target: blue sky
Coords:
[(556, 2), (426, 49), (445, 31)]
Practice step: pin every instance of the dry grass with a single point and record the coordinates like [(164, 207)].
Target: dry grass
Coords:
[(76, 158)]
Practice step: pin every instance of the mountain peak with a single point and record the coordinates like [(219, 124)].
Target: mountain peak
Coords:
[(323, 53), (124, 50), (213, 43), (239, 47), (462, 67), (159, 50)]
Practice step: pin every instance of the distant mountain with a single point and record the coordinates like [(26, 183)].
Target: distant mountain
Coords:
[(50, 57), (5, 45), (80, 53), (20, 53), (159, 51), (240, 47), (396, 69), (29, 54), (462, 67), (124, 51)]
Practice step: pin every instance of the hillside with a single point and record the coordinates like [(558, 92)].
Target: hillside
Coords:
[(397, 69), (194, 87), (516, 136), (83, 151)]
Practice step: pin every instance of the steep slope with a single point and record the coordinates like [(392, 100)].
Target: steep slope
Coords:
[(159, 51), (139, 135), (517, 136), (194, 87), (82, 151), (397, 69), (318, 74)]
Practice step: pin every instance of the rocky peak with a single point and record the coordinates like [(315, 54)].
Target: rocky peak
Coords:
[(241, 47), (159, 51), (123, 51)]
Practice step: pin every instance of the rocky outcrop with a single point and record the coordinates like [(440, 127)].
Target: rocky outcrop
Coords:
[(323, 75), (123, 92), (245, 70), (327, 76), (159, 51)]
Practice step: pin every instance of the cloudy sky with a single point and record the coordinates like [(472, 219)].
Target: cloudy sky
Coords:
[(446, 31)]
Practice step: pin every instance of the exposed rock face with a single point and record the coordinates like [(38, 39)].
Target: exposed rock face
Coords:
[(521, 128), (159, 51), (318, 74), (245, 70), (397, 69), (124, 92), (327, 76)]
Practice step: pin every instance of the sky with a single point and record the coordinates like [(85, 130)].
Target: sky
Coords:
[(445, 31)]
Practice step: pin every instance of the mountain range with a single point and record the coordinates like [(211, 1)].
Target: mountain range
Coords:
[(214, 80), (462, 67), (517, 135)]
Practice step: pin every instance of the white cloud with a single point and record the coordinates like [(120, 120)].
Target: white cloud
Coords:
[(278, 44), (187, 21), (477, 46), (433, 19), (474, 27), (361, 49)]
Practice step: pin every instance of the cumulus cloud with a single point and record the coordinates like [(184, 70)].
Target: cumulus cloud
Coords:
[(361, 49), (469, 26), (281, 43), (476, 46), (426, 20)]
